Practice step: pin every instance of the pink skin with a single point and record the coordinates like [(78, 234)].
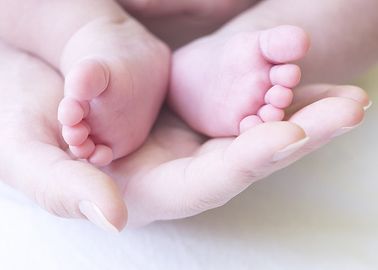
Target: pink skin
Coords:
[(180, 21), (233, 16), (166, 178), (154, 8), (45, 171), (177, 184), (93, 129), (221, 84), (104, 54)]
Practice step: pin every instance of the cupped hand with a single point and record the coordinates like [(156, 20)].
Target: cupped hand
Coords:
[(33, 157), (175, 174), (179, 173)]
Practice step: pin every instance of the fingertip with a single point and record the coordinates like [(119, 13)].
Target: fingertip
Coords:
[(94, 214), (114, 208), (320, 121), (256, 147), (350, 91), (104, 202)]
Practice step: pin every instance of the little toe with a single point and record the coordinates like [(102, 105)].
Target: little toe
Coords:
[(249, 122), (84, 150), (269, 113), (284, 43), (288, 75), (75, 135), (279, 96), (101, 156), (87, 80), (70, 112)]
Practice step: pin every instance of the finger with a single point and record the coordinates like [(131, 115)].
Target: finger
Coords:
[(223, 168), (30, 159), (326, 118), (335, 116), (306, 95), (339, 110), (64, 187), (188, 186)]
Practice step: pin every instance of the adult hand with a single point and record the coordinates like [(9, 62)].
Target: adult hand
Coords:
[(33, 157), (178, 173)]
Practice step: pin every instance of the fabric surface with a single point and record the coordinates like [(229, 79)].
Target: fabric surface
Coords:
[(321, 213)]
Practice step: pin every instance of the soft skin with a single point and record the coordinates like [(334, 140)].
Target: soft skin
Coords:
[(164, 179), (104, 54)]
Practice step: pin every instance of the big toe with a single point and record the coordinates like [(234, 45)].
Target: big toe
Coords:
[(284, 44), (87, 80)]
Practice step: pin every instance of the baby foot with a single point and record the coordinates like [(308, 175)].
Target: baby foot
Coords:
[(116, 76), (222, 86)]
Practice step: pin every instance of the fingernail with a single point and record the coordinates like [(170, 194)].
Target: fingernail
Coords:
[(344, 130), (289, 150), (94, 214), (367, 107)]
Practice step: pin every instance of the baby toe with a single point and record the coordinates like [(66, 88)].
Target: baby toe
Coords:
[(84, 150), (279, 96), (284, 44), (87, 80), (70, 112), (101, 156), (75, 135), (249, 122), (269, 113), (288, 75)]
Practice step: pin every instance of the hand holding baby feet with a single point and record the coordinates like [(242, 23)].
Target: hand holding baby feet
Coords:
[(179, 173), (166, 178), (222, 85), (116, 76), (33, 157)]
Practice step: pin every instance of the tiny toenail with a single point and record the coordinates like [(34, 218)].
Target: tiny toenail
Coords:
[(290, 149)]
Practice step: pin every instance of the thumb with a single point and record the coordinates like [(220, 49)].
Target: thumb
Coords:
[(64, 187)]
